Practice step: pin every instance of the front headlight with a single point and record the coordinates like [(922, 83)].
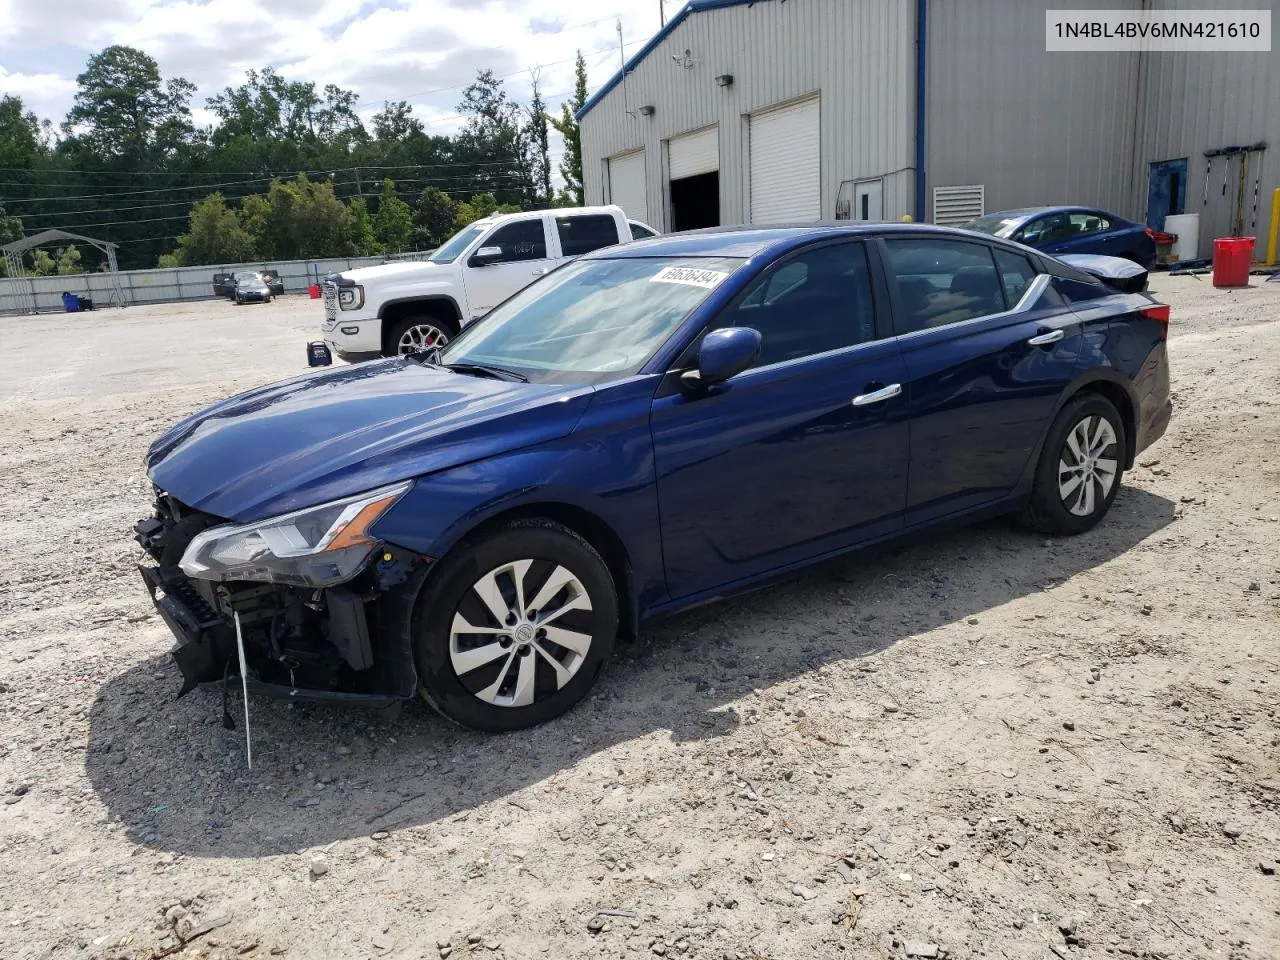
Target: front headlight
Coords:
[(317, 547), (351, 298)]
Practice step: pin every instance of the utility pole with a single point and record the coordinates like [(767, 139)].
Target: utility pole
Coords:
[(662, 13), (622, 56)]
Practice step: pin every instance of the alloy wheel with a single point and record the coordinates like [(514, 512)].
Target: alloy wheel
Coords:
[(1088, 465), (421, 336), (521, 632)]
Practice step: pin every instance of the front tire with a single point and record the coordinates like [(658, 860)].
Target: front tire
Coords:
[(417, 333), (1080, 468), (513, 628)]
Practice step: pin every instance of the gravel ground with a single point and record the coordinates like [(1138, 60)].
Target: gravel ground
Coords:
[(983, 745)]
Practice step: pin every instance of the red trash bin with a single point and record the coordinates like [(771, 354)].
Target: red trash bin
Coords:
[(314, 290), (1232, 257)]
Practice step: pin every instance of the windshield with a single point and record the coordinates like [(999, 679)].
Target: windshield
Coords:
[(591, 321), (995, 224), (454, 246)]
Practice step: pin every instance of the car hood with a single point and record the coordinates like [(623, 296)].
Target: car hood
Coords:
[(393, 271), (338, 432)]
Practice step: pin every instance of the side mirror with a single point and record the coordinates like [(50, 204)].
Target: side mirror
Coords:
[(485, 256), (1030, 239), (722, 355)]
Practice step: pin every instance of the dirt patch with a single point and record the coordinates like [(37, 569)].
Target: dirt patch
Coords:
[(985, 745)]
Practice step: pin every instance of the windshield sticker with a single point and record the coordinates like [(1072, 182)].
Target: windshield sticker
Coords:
[(690, 276)]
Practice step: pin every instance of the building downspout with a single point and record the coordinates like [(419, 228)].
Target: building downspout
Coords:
[(922, 23)]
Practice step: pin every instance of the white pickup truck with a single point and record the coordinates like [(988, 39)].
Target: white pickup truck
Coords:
[(406, 307)]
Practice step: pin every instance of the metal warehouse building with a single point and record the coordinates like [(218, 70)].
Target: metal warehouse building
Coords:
[(756, 111)]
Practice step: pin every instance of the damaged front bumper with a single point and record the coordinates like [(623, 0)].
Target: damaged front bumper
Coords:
[(347, 644)]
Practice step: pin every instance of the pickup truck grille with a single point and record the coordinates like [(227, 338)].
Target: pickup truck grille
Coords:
[(330, 293)]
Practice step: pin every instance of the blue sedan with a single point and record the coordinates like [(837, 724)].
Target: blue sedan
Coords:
[(647, 428), (1072, 230)]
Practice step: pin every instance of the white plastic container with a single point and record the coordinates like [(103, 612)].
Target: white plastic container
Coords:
[(1187, 227)]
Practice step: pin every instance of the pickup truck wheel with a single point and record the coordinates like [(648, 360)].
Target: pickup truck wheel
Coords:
[(513, 628), (415, 334)]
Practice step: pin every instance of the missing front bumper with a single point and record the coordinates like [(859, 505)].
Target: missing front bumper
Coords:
[(340, 651)]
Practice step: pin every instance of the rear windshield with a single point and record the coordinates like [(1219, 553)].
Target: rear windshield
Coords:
[(994, 225)]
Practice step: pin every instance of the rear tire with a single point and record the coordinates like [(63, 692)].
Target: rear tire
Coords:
[(495, 656), (1080, 470), (419, 332)]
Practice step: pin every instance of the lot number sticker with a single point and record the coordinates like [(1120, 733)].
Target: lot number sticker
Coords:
[(690, 276)]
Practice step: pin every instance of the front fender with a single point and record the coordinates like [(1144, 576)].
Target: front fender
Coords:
[(604, 469)]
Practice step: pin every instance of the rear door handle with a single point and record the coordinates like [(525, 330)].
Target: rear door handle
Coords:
[(1053, 336), (878, 396), (542, 272)]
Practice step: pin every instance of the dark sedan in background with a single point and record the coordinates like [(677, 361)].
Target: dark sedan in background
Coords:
[(1066, 230), (251, 288)]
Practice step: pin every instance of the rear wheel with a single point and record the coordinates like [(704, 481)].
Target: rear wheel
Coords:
[(1080, 468), (513, 628), (417, 333)]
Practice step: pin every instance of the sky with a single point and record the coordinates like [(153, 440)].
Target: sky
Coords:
[(422, 51)]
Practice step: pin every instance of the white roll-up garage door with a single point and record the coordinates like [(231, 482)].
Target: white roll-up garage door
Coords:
[(785, 167), (626, 184), (694, 153)]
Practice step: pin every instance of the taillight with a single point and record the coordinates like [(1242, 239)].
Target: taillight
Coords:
[(1157, 311)]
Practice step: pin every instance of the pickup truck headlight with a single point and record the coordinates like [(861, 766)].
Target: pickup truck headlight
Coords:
[(351, 298), (317, 547)]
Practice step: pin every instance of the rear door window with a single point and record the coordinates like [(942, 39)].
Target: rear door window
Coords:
[(940, 282), (582, 234)]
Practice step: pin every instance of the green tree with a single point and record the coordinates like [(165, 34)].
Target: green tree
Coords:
[(10, 228), (125, 112), (536, 135), (303, 218), (22, 137), (567, 126), (434, 217), (215, 235), (361, 233), (395, 121), (42, 264), (495, 139), (69, 261), (393, 225)]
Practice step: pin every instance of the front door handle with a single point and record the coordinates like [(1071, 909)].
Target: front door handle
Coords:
[(1053, 336), (878, 396), (541, 272)]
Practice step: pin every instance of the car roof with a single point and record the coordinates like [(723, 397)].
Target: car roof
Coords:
[(1028, 212), (748, 241)]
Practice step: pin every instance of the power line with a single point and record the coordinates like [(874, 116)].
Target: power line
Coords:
[(371, 173), (245, 173), (462, 179)]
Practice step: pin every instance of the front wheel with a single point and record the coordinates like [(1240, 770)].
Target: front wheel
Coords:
[(419, 333), (1080, 468), (513, 628)]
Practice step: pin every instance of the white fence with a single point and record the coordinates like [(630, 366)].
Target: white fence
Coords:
[(44, 294)]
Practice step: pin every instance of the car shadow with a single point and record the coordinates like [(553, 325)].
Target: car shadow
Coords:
[(177, 780)]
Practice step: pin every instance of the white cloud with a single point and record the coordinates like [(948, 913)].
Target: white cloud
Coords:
[(423, 51), (46, 94)]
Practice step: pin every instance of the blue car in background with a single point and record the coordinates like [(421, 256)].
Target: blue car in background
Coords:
[(1072, 230), (648, 427)]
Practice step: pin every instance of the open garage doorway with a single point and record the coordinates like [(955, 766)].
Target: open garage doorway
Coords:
[(693, 163), (695, 201)]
